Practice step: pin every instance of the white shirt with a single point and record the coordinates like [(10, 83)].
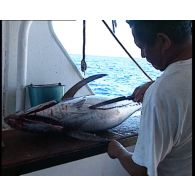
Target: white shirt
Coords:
[(164, 144)]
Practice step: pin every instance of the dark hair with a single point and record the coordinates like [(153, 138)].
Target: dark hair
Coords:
[(146, 30)]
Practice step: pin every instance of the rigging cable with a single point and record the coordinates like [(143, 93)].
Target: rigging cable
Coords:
[(83, 63), (126, 50)]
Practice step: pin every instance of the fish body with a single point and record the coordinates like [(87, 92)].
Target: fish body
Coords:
[(72, 114), (75, 114)]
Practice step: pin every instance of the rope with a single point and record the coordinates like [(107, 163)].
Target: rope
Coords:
[(83, 63), (126, 50)]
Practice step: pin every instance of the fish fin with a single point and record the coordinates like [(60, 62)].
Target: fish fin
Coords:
[(72, 91), (80, 103)]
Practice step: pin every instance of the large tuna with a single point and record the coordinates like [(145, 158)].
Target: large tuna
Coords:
[(73, 115)]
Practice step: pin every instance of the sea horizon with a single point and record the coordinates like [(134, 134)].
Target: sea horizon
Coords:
[(123, 75)]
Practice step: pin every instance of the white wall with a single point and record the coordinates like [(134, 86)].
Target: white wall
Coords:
[(99, 165)]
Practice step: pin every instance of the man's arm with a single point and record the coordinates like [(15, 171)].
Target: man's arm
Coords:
[(116, 150)]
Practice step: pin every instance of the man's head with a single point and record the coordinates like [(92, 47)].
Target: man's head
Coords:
[(161, 41)]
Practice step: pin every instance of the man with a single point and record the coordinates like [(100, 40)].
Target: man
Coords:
[(164, 144)]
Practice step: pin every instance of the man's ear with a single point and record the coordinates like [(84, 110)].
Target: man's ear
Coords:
[(164, 41)]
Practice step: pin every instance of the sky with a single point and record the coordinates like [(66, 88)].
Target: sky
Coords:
[(99, 40)]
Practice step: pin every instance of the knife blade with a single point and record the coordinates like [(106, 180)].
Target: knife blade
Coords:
[(131, 97)]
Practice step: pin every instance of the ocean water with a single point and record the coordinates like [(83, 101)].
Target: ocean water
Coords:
[(123, 75)]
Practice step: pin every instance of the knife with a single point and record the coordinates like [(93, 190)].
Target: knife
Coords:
[(131, 97)]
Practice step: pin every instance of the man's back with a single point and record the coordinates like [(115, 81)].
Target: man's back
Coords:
[(179, 160), (165, 139)]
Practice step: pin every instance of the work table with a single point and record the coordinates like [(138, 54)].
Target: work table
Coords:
[(24, 152)]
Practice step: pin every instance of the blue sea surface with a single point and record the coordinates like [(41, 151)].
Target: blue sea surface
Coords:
[(123, 74)]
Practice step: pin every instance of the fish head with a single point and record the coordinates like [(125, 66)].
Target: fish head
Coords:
[(33, 123)]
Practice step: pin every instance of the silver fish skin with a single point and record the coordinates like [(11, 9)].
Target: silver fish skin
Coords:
[(73, 113)]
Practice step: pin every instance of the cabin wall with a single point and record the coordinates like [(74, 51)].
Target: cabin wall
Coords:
[(46, 62)]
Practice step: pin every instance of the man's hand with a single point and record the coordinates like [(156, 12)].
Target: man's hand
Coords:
[(116, 150), (140, 91)]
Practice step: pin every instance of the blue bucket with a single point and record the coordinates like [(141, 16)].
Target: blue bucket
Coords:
[(39, 94)]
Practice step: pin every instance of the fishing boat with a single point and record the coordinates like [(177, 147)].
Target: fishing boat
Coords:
[(32, 55)]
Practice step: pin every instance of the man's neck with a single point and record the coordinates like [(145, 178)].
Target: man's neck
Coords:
[(183, 52)]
